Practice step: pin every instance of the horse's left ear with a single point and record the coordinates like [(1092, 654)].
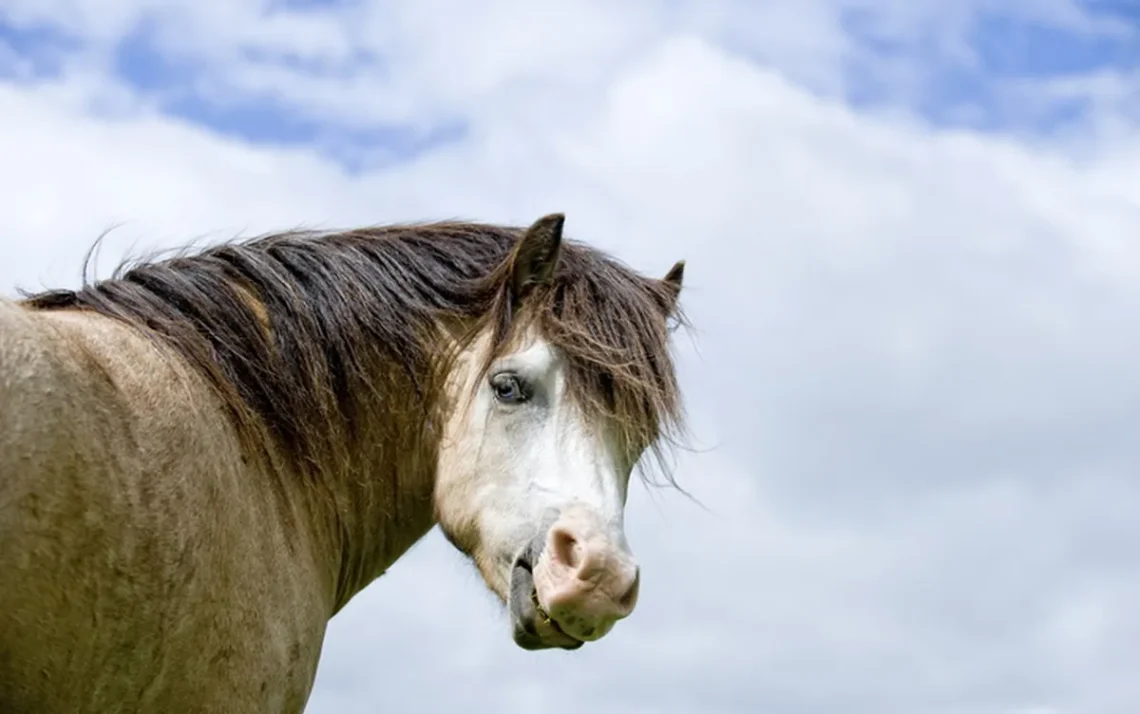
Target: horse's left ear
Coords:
[(673, 282), (536, 255)]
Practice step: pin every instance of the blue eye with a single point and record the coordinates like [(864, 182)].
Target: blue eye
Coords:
[(508, 388)]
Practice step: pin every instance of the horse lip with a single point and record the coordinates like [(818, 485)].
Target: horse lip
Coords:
[(525, 611)]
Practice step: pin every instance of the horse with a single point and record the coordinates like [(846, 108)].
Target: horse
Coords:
[(206, 455)]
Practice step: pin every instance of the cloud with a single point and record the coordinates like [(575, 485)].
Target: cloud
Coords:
[(914, 364), (354, 66)]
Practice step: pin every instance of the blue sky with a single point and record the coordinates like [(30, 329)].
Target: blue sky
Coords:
[(917, 71), (194, 89), (41, 48), (1002, 49)]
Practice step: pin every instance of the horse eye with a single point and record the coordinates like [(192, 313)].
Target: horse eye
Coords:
[(508, 388)]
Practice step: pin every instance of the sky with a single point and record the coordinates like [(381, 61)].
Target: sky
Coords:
[(912, 231)]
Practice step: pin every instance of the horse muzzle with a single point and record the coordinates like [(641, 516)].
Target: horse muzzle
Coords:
[(571, 584)]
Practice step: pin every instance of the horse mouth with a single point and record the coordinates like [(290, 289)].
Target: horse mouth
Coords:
[(533, 628), (545, 619)]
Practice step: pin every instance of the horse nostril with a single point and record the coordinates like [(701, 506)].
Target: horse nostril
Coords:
[(567, 549), (629, 599)]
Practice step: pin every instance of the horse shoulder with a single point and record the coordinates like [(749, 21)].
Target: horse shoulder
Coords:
[(139, 553)]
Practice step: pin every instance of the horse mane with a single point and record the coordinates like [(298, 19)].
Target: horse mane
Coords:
[(299, 332)]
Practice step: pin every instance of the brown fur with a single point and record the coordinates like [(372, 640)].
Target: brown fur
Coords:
[(202, 459)]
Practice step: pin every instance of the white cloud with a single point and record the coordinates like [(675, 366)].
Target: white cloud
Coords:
[(916, 352)]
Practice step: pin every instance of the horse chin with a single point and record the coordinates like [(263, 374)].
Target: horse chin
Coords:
[(532, 628)]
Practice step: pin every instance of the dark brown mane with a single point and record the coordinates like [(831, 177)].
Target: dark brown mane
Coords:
[(300, 332)]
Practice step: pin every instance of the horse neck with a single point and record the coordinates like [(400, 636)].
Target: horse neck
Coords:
[(384, 498), (374, 499), (379, 500)]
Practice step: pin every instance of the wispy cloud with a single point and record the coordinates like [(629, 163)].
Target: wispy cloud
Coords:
[(415, 74), (983, 65)]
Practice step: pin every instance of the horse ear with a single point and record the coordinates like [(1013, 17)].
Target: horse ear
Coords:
[(536, 255), (673, 282)]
